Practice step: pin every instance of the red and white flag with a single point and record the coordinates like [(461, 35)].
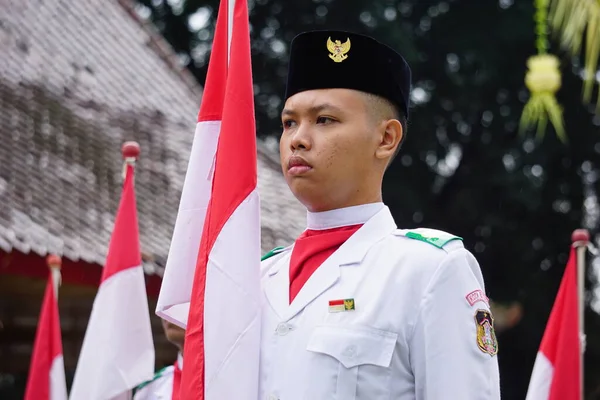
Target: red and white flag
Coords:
[(211, 283), (556, 372), (46, 380), (118, 352)]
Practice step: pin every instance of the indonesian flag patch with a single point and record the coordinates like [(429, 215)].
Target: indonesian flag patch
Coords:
[(341, 305)]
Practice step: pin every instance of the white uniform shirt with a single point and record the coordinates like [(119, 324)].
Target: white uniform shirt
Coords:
[(161, 386), (413, 333)]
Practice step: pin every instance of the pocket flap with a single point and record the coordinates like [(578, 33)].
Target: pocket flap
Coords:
[(353, 346)]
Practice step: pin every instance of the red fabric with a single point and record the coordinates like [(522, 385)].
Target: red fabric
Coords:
[(311, 249), (176, 382), (560, 343), (124, 247), (46, 348), (228, 97)]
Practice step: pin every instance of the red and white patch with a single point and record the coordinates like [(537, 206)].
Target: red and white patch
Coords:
[(477, 295)]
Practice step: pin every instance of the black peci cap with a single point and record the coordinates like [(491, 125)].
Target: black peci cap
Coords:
[(338, 59)]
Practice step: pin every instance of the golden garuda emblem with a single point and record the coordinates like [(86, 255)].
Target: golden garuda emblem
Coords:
[(338, 49), (348, 303)]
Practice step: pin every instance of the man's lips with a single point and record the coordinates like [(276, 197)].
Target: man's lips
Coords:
[(297, 165)]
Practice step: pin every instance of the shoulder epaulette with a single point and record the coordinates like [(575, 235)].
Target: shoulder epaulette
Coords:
[(157, 375), (272, 253), (432, 236)]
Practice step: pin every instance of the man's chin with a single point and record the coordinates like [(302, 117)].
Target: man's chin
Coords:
[(176, 340), (301, 188), (174, 334), (307, 193)]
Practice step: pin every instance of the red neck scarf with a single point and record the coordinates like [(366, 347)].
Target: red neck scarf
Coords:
[(311, 249)]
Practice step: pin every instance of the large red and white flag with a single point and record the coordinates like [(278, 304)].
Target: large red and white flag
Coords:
[(118, 352), (211, 283), (46, 380), (556, 372)]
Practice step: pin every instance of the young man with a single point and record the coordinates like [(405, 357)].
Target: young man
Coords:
[(358, 309), (165, 384)]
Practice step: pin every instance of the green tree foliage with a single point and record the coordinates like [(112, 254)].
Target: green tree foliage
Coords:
[(464, 168)]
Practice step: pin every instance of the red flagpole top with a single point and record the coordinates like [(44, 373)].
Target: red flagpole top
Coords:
[(580, 236), (53, 261), (130, 150)]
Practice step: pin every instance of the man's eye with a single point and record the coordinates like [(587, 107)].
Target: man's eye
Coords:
[(324, 120), (288, 123)]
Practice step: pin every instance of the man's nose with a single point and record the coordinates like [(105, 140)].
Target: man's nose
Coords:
[(301, 140)]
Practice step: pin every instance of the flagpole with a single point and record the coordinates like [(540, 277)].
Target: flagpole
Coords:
[(130, 151), (54, 262), (581, 239)]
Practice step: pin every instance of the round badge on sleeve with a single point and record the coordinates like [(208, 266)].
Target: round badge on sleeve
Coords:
[(486, 336)]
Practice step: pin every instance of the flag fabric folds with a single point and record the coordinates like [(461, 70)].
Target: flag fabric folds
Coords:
[(211, 283), (556, 372), (118, 351), (46, 380)]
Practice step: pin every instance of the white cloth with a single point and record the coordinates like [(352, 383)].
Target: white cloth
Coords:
[(342, 217), (411, 336), (161, 387)]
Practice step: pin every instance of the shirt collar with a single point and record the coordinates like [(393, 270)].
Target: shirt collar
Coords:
[(354, 215)]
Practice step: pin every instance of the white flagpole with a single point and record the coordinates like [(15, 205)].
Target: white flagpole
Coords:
[(581, 240), (54, 263), (230, 12)]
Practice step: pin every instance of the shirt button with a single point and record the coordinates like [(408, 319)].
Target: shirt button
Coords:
[(272, 397), (350, 351), (283, 329)]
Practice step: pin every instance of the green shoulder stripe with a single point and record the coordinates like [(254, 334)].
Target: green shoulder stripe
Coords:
[(157, 375), (434, 237), (272, 253)]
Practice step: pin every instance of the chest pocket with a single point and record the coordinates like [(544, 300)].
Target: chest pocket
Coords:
[(358, 357)]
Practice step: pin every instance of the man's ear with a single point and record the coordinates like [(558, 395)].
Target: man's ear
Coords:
[(391, 136)]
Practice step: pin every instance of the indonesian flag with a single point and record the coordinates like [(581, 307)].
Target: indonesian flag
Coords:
[(211, 283), (46, 379), (118, 352), (556, 372)]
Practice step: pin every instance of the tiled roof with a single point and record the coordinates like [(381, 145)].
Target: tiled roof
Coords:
[(77, 79)]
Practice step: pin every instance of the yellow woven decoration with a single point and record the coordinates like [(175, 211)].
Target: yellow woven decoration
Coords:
[(543, 80), (571, 21)]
